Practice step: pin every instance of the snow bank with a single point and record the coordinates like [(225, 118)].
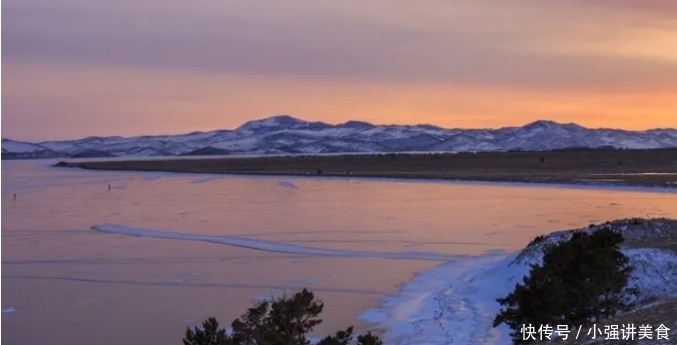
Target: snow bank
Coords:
[(455, 303), (452, 304), (654, 274)]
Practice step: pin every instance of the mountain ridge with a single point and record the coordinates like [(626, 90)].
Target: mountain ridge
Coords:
[(284, 134)]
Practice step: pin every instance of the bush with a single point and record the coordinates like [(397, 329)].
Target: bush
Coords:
[(636, 221), (280, 321), (580, 281)]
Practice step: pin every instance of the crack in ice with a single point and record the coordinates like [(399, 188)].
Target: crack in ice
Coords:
[(270, 246)]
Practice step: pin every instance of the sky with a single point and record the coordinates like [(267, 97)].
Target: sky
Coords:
[(75, 68)]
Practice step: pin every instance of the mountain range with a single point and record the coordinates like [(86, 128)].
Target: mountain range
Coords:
[(284, 134)]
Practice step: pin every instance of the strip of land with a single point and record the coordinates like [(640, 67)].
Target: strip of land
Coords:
[(615, 167)]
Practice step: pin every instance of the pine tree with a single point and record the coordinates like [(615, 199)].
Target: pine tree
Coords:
[(580, 281), (285, 320)]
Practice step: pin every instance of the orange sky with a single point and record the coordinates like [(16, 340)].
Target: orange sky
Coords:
[(75, 68)]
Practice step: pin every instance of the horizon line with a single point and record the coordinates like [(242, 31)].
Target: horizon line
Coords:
[(338, 124)]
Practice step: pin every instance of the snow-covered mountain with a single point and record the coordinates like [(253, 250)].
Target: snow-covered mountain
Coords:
[(284, 134)]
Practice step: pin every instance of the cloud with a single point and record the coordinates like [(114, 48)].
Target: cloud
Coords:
[(661, 8), (524, 44), (80, 67)]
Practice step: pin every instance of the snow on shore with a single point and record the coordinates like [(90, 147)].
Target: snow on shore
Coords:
[(655, 273), (455, 303), (452, 304)]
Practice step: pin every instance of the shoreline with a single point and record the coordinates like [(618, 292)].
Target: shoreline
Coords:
[(626, 168), (670, 187)]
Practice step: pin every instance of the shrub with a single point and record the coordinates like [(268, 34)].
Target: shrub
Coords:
[(285, 320), (580, 281), (636, 221)]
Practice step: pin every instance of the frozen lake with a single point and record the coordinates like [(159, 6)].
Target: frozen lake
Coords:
[(159, 252)]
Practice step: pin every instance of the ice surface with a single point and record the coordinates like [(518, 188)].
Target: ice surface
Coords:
[(269, 246), (154, 176), (29, 185), (453, 302), (289, 179)]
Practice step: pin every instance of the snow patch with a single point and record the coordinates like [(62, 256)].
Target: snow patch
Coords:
[(20, 146), (654, 274), (287, 184), (206, 179)]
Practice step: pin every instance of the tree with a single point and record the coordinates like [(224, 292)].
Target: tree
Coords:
[(210, 334), (345, 337), (285, 320), (580, 281)]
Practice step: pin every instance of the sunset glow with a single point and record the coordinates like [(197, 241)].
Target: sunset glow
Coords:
[(74, 68)]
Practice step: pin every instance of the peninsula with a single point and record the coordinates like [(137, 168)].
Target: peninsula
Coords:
[(656, 167)]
